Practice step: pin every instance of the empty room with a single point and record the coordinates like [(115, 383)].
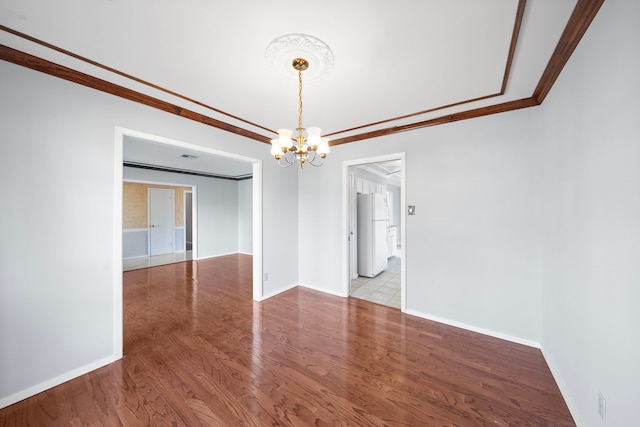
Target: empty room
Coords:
[(473, 163)]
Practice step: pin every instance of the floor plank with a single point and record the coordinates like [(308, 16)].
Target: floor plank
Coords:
[(200, 352)]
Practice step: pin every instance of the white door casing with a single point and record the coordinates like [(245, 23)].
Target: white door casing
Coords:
[(353, 224), (188, 220)]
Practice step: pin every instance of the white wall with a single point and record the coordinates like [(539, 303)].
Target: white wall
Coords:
[(245, 209), (56, 297), (591, 136), (217, 208), (473, 248), (57, 176)]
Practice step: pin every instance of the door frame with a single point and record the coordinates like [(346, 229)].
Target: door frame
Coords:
[(346, 217), (184, 215), (353, 229), (119, 135)]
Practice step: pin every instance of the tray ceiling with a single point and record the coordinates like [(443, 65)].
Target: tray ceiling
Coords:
[(395, 63)]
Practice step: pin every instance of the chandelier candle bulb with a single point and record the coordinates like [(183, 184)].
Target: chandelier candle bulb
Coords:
[(276, 149), (284, 138), (313, 138), (323, 147)]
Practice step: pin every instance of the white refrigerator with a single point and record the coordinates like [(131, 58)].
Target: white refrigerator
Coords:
[(372, 234)]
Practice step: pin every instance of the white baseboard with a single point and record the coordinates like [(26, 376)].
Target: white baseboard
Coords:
[(517, 340), (278, 292), (215, 256), (555, 372), (564, 390), (46, 385), (338, 294), (135, 257)]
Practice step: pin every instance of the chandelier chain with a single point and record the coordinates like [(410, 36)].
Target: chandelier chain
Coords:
[(308, 146), (300, 99)]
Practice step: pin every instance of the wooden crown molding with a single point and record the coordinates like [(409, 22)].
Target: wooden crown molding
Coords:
[(125, 75), (29, 61), (505, 79), (582, 16)]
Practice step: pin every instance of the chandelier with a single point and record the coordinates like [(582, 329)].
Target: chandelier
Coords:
[(308, 146)]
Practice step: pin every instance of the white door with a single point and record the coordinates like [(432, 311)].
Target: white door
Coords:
[(161, 221)]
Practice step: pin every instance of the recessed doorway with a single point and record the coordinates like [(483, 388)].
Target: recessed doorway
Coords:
[(374, 221), (122, 134)]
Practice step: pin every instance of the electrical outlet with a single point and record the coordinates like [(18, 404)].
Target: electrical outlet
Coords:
[(602, 406)]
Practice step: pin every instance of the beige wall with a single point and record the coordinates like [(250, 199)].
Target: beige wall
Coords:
[(135, 204)]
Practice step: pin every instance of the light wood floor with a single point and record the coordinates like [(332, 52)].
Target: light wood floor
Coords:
[(200, 352)]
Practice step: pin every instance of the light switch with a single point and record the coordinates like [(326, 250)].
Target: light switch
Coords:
[(411, 210)]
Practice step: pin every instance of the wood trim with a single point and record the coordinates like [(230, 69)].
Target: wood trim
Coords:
[(26, 60), (514, 43), (419, 113), (505, 79), (581, 18), (463, 115), (125, 75)]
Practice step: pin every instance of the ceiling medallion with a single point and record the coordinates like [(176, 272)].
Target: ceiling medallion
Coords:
[(282, 51)]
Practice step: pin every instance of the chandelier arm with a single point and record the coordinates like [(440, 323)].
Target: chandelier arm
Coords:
[(312, 160), (288, 160)]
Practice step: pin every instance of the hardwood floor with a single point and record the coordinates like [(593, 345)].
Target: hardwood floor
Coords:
[(200, 352)]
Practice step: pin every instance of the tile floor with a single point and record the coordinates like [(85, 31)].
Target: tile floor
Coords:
[(152, 261), (382, 289)]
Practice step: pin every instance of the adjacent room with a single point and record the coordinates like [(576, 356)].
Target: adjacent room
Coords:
[(375, 223), (208, 207), (420, 213)]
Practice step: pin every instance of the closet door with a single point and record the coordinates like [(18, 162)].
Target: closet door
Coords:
[(161, 221)]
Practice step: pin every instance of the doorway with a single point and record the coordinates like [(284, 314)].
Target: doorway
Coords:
[(380, 179), (256, 217), (154, 223)]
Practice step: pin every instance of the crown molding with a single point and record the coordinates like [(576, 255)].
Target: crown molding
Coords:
[(580, 20)]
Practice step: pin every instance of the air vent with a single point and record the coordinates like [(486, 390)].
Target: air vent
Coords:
[(190, 156)]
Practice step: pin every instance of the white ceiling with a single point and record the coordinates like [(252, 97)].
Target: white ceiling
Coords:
[(392, 58), (389, 170)]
